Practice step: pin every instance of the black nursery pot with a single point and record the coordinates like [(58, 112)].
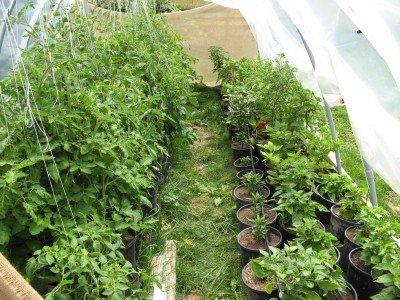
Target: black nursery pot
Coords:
[(155, 211), (287, 234), (239, 167), (134, 278), (240, 150), (339, 225), (250, 253), (247, 223), (232, 130), (345, 296), (271, 187), (129, 252), (241, 201), (361, 280), (255, 294), (348, 245), (323, 216)]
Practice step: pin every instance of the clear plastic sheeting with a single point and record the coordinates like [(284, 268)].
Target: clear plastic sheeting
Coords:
[(279, 34), (354, 45), (14, 38), (378, 20)]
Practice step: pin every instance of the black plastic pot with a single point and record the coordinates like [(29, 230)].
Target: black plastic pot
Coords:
[(271, 187), (352, 292), (154, 211), (129, 252), (246, 224), (239, 167), (323, 216), (241, 201), (240, 149), (339, 225), (153, 196), (348, 245), (250, 253), (267, 165), (240, 174), (232, 130), (149, 211), (362, 281), (149, 234), (287, 234), (338, 255), (135, 280), (254, 294)]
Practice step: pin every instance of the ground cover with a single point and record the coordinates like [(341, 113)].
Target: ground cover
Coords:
[(198, 211), (189, 4)]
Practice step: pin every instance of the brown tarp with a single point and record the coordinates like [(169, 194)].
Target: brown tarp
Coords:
[(211, 25)]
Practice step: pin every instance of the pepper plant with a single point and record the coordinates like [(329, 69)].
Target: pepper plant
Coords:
[(310, 234), (349, 209), (301, 273), (259, 228), (245, 161), (294, 206), (378, 235), (337, 187), (258, 201), (295, 172), (253, 182)]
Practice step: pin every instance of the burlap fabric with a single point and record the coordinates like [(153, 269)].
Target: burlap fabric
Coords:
[(12, 285)]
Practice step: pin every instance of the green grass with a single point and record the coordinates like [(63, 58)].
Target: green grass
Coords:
[(352, 162), (189, 4), (197, 205)]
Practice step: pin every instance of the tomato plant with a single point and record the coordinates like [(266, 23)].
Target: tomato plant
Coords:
[(97, 106)]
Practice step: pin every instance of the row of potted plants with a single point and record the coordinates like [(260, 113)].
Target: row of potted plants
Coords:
[(88, 116), (305, 235), (272, 116)]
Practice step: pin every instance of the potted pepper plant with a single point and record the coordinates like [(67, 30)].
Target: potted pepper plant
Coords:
[(332, 188), (249, 212), (373, 264), (246, 163), (296, 272), (312, 234), (344, 215), (252, 183), (294, 206), (257, 237)]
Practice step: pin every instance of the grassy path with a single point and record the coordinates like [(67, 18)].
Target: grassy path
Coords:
[(198, 210)]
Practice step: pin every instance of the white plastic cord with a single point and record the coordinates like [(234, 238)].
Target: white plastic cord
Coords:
[(4, 112)]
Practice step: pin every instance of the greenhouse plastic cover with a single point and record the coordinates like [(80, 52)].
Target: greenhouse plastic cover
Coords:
[(341, 48), (11, 41)]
